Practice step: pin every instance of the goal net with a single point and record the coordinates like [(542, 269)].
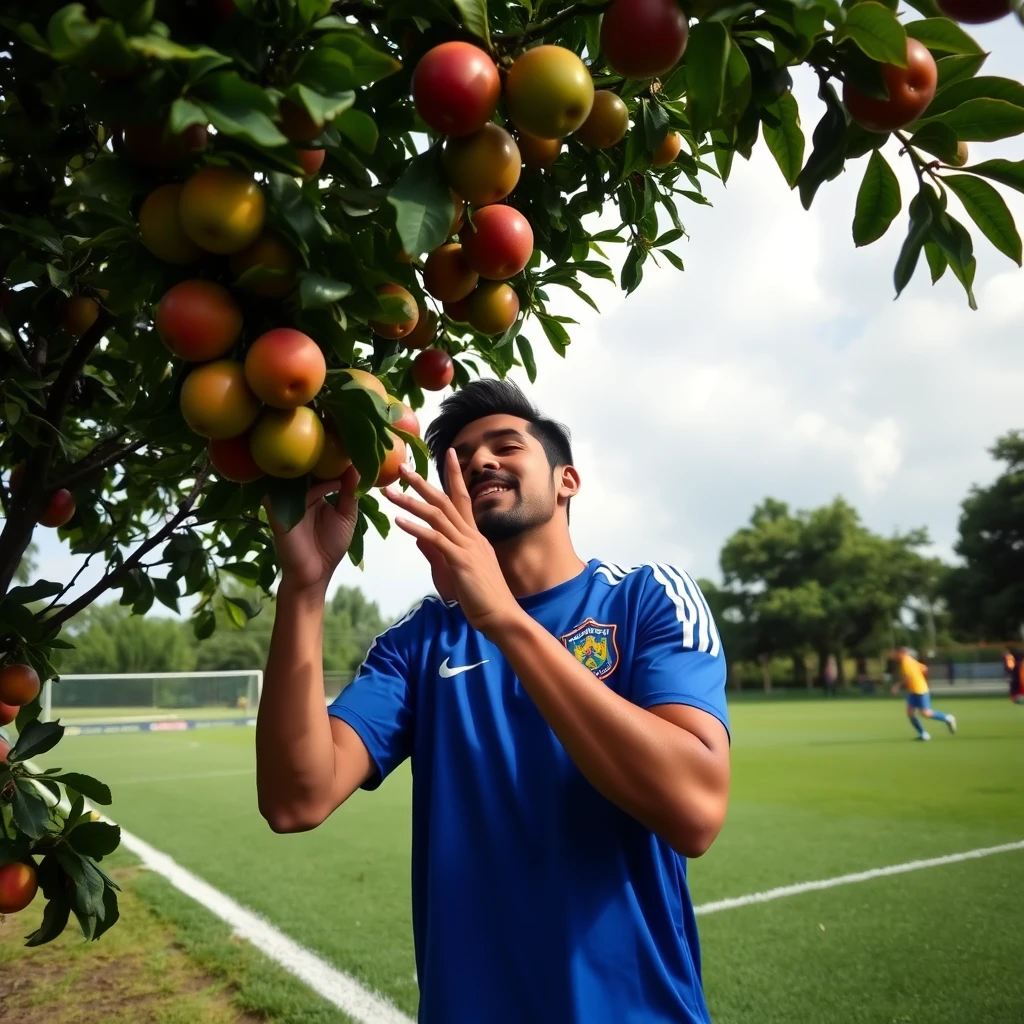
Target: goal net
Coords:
[(152, 700)]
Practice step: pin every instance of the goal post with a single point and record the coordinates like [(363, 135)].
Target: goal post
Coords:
[(95, 699)]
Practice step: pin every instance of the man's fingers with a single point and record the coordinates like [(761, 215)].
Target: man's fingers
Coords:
[(431, 538), (429, 513), (433, 496), (457, 488)]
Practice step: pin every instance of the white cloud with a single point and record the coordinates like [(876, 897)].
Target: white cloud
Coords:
[(778, 364)]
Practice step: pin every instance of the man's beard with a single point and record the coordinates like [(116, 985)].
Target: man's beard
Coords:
[(503, 524)]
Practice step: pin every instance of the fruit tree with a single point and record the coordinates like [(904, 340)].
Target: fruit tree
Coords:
[(240, 239)]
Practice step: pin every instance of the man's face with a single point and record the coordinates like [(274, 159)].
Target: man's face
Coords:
[(507, 474)]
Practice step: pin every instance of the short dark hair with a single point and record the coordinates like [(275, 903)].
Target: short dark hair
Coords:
[(490, 397)]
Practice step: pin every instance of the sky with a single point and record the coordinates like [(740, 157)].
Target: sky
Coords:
[(777, 365)]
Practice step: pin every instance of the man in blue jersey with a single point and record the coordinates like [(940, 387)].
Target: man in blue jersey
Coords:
[(566, 723)]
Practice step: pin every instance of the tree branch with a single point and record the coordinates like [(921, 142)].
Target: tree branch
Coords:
[(105, 454), (112, 578)]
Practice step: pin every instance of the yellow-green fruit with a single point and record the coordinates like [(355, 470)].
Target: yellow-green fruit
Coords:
[(221, 209), (287, 443), (216, 401), (161, 230), (272, 253), (607, 122), (549, 92)]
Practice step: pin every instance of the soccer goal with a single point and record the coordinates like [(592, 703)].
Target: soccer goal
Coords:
[(152, 701)]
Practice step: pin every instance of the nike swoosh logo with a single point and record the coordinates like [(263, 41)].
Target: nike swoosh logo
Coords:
[(446, 671)]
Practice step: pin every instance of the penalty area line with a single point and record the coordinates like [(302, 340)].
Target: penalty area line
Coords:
[(859, 876)]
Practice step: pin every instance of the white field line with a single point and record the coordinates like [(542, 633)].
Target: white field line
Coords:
[(348, 995), (860, 876), (338, 988)]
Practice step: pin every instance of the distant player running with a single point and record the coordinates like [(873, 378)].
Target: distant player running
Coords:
[(912, 675), (1014, 661)]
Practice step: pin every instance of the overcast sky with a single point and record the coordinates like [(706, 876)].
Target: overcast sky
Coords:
[(777, 364)]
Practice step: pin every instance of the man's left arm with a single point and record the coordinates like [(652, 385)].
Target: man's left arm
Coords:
[(667, 766)]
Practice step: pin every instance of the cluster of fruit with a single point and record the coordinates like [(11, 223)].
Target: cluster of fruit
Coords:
[(548, 94), (254, 411)]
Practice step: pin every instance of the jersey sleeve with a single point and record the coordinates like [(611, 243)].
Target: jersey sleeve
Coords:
[(678, 658), (378, 703)]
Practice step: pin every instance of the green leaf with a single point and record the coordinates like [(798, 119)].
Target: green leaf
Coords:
[(96, 839), (673, 259), (984, 120), (876, 30), (938, 139), (984, 87), (92, 789), (423, 204), (358, 128), (828, 157), (987, 208), (363, 61), (317, 292), (166, 591), (655, 122), (322, 107), (370, 507), (238, 108), (526, 355), (955, 242), (1006, 172), (958, 68), (878, 201), (245, 607), (474, 17), (784, 136), (160, 48), (920, 225), (37, 738), (248, 572), (287, 500), (937, 262), (55, 920), (555, 333), (204, 625), (942, 35), (38, 591), (707, 58), (31, 814)]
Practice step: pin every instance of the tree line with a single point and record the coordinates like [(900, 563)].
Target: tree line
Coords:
[(797, 587)]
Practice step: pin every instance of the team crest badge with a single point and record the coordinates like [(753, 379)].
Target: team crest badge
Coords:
[(593, 645)]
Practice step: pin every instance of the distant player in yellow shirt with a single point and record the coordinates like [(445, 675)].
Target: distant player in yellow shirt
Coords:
[(913, 675)]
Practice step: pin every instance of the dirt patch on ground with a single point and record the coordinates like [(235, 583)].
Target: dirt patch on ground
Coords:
[(135, 974)]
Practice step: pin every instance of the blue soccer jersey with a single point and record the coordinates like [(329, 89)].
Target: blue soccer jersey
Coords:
[(535, 899)]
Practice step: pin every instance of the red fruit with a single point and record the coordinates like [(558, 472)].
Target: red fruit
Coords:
[(79, 314), (19, 684), (425, 331), (393, 461), (447, 275), (974, 12), (285, 368), (407, 421), (311, 160), (297, 123), (456, 88), (198, 320), (5, 749), (403, 327), (492, 308), (911, 90), (668, 150), (60, 510), (233, 460), (457, 311), (8, 713), (18, 887), (433, 369), (537, 153), (500, 243), (643, 38)]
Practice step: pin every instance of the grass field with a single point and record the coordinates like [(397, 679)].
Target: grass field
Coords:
[(79, 716), (820, 788)]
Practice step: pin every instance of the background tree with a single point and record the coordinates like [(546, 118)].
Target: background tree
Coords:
[(986, 594), (227, 242), (820, 581)]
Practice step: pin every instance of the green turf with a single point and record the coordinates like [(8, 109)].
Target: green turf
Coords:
[(78, 716), (820, 788)]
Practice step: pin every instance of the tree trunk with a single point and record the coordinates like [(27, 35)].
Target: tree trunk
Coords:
[(766, 671)]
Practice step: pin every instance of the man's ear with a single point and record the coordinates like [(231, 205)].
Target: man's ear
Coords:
[(567, 482)]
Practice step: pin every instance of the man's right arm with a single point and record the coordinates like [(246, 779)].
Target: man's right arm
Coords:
[(307, 762)]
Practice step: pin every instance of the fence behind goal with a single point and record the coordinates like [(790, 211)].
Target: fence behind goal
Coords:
[(152, 701)]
